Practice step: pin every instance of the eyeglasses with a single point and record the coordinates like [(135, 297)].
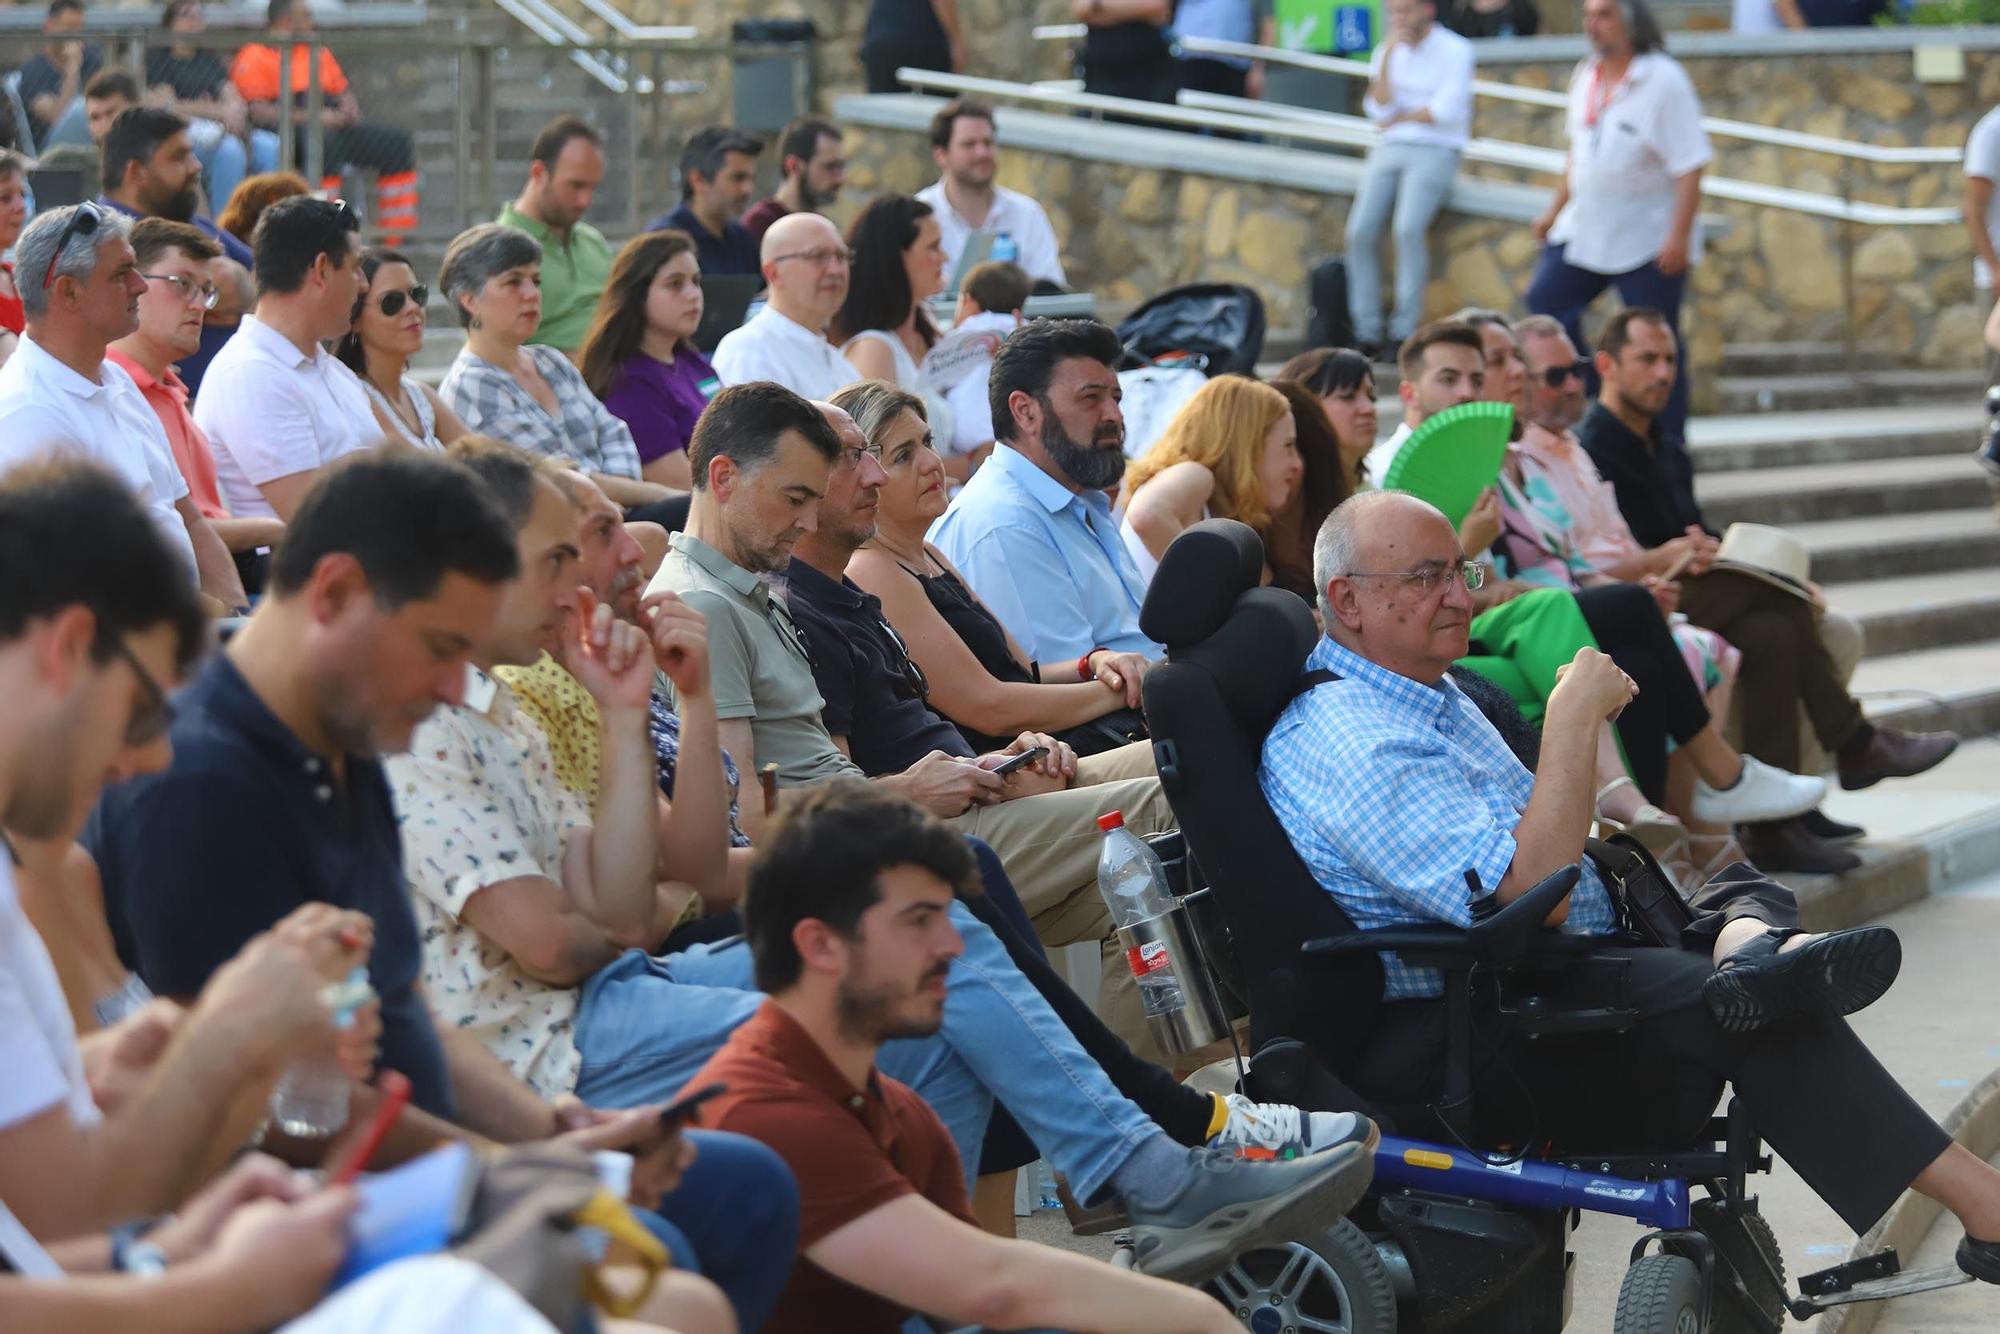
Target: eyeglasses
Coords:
[(851, 457), (83, 221), (392, 303), (187, 289), (818, 258), (1556, 376), (913, 684), (148, 726), (1430, 577)]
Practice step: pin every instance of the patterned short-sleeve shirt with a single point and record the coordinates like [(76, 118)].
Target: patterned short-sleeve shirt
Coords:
[(489, 400), (478, 803)]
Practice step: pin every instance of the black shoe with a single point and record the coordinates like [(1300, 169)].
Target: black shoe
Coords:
[(1836, 974), (1787, 845), (1829, 830), (1981, 1259)]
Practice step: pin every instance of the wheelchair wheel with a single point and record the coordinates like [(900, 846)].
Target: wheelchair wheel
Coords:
[(1333, 1282), (1661, 1295), (1742, 1240)]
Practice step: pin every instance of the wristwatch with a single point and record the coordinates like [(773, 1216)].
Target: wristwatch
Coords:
[(131, 1254)]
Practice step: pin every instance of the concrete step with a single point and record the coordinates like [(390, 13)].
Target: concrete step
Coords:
[(1791, 439), (1828, 389), (1784, 358), (1810, 492), (1922, 611), (1890, 545), (1954, 689)]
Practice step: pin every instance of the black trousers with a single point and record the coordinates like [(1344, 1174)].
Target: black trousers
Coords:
[(880, 63), (1813, 1091), (1631, 630)]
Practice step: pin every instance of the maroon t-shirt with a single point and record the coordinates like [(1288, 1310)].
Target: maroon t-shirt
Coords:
[(760, 217), (852, 1151)]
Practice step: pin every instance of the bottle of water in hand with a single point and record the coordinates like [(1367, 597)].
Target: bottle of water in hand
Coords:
[(310, 1102), (1134, 885)]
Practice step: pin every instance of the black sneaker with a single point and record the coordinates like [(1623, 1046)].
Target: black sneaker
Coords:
[(1836, 974), (1981, 1259)]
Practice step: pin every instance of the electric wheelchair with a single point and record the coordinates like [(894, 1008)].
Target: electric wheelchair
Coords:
[(1456, 1236)]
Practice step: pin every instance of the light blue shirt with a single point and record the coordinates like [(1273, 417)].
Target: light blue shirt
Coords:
[(1047, 561), (1223, 20), (1391, 790)]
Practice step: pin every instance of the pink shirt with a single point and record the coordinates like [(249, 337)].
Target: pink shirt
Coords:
[(1598, 530), (168, 398)]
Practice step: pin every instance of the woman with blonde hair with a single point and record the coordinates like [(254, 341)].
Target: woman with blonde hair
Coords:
[(1231, 452)]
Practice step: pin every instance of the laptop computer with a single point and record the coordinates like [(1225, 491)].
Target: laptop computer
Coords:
[(978, 249), (726, 299)]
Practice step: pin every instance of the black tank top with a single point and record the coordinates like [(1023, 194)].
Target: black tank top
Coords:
[(983, 634)]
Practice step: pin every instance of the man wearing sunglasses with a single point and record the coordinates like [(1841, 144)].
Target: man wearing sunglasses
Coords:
[(80, 286)]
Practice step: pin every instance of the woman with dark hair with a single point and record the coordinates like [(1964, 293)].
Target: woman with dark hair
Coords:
[(637, 356), (1329, 471), (385, 331), (1343, 381), (882, 327)]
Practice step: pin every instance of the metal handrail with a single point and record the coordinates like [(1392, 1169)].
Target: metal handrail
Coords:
[(558, 29), (622, 25), (1325, 127), (1506, 92)]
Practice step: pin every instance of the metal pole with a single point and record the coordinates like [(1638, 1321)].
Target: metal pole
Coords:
[(1850, 343), (461, 141), (315, 118), (286, 156), (489, 125), (632, 214)]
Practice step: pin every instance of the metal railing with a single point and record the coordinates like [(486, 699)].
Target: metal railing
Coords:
[(1717, 126)]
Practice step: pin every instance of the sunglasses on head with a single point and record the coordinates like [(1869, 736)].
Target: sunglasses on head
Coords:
[(1556, 376), (84, 219), (392, 303)]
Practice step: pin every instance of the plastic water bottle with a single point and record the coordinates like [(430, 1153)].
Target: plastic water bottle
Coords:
[(1046, 1196), (311, 1101), (1134, 885), (1004, 249)]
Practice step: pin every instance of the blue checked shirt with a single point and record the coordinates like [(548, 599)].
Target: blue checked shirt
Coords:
[(1390, 791)]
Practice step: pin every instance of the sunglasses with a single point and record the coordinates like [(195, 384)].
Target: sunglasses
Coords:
[(84, 220), (913, 684), (1556, 376), (392, 303), (151, 724)]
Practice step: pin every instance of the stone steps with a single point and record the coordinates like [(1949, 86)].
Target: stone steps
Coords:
[(1922, 611), (1792, 439), (1801, 494), (1820, 390), (1955, 689), (1884, 546)]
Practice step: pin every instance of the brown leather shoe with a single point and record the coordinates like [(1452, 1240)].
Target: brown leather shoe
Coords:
[(1787, 845), (1892, 754)]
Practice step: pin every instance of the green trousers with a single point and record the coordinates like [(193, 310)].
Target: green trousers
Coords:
[(1521, 644)]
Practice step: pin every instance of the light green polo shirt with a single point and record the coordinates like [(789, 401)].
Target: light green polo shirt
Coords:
[(757, 661), (573, 277)]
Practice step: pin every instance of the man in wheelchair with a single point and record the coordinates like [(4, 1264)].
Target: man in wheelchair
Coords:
[(1407, 808)]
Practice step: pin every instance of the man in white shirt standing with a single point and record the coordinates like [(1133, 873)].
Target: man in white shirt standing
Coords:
[(80, 286), (966, 200), (1624, 215), (805, 262), (1420, 95), (275, 405)]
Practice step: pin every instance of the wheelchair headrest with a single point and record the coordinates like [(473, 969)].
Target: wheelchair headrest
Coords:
[(1198, 581)]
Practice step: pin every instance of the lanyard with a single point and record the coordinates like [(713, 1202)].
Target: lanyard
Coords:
[(1597, 98)]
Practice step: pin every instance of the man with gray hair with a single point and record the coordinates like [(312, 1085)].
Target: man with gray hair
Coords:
[(718, 176), (80, 286)]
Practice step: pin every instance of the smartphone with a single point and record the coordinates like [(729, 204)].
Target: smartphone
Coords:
[(679, 1112), (1025, 758)]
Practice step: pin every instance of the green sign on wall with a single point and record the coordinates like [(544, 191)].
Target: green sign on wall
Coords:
[(1329, 27)]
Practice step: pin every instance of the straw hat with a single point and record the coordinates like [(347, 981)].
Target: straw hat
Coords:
[(1766, 553)]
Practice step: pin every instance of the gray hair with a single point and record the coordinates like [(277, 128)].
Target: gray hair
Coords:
[(1539, 326), (1336, 547), (1481, 317), (477, 256), (35, 257), (875, 403)]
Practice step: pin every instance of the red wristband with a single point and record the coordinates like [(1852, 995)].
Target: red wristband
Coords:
[(1083, 664)]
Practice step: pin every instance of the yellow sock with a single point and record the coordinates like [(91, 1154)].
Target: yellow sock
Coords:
[(1221, 1117)]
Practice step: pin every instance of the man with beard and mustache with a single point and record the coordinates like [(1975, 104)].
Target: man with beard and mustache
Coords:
[(814, 168), (80, 286), (1032, 532), (849, 921), (565, 167), (151, 170), (967, 201)]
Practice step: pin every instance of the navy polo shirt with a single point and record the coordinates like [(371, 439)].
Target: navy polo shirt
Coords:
[(863, 674), (732, 252), (247, 825)]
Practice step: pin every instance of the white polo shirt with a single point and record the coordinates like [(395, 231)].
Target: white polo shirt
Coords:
[(47, 408), (1435, 75), (269, 411), (1982, 158), (37, 1039), (1624, 161), (777, 347), (1013, 215)]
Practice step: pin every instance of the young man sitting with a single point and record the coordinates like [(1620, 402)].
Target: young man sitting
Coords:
[(849, 920)]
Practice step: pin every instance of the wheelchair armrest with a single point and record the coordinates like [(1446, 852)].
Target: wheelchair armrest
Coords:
[(1504, 934)]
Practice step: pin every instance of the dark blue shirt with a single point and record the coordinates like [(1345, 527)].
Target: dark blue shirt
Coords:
[(865, 675), (246, 826), (732, 252)]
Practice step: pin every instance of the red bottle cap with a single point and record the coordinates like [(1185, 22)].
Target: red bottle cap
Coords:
[(1111, 820)]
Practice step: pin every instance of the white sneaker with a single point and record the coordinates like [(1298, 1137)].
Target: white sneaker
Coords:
[(1280, 1130), (1762, 793)]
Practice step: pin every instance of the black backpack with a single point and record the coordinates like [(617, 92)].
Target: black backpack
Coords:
[(1221, 322)]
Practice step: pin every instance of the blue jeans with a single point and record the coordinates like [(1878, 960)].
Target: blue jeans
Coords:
[(1411, 180), (645, 1026), (740, 1199), (1563, 290)]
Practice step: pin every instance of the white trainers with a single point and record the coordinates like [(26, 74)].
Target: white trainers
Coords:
[(1280, 1130), (1762, 793)]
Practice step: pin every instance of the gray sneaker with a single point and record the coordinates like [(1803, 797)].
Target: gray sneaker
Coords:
[(1227, 1205)]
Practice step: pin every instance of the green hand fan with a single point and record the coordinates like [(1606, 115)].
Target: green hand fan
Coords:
[(1453, 456)]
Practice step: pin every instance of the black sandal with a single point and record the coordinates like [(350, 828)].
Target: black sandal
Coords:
[(1836, 974)]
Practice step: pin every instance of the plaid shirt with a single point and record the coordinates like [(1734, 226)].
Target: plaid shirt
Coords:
[(1391, 790), (489, 400)]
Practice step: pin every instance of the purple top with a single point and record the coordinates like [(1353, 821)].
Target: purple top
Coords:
[(661, 402)]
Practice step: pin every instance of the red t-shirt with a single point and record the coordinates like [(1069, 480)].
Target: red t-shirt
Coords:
[(760, 217), (851, 1150), (13, 315)]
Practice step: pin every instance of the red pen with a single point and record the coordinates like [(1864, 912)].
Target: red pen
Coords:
[(395, 1091)]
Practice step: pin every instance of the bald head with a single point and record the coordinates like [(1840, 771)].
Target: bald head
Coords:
[(1386, 564), (805, 262), (853, 496)]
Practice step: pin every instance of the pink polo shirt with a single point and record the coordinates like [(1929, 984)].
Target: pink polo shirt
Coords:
[(1599, 532), (168, 398)]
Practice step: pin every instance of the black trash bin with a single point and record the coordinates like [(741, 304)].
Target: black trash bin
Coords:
[(771, 86)]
